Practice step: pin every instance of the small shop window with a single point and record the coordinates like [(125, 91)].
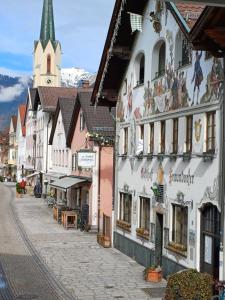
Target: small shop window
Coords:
[(125, 207), (180, 225), (210, 133), (189, 130), (144, 214)]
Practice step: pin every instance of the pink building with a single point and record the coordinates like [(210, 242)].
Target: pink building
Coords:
[(89, 188)]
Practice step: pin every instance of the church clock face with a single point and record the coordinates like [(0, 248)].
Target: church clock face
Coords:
[(49, 81)]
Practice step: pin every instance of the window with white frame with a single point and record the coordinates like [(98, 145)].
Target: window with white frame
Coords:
[(140, 69), (211, 131), (125, 141), (125, 207), (189, 130), (82, 121), (162, 136), (151, 138), (175, 135), (183, 51), (144, 220), (140, 141), (74, 162), (159, 59), (180, 225)]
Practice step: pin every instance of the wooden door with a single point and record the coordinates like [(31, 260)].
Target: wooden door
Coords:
[(159, 239)]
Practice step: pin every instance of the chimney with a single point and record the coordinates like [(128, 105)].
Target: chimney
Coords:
[(85, 84)]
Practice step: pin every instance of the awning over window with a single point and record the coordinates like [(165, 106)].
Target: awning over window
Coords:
[(67, 182), (55, 175)]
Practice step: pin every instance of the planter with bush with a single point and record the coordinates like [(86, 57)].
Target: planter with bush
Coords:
[(153, 274), (189, 285), (124, 225)]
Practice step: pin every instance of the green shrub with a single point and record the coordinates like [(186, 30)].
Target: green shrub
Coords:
[(189, 285), (18, 189), (1, 179)]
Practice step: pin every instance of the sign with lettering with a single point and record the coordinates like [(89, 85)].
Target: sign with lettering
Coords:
[(86, 159), (181, 178)]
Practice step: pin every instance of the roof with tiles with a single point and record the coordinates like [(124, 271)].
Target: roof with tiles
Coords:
[(22, 111), (14, 122), (49, 96), (67, 107), (190, 12), (98, 119)]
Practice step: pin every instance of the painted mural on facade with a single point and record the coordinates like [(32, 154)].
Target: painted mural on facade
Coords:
[(179, 88)]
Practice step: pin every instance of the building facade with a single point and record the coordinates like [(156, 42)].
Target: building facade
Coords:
[(168, 138)]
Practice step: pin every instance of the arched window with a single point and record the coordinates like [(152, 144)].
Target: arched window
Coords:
[(140, 69), (159, 59), (183, 51), (162, 60), (49, 64)]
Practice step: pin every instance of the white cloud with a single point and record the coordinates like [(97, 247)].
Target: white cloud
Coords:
[(8, 94), (12, 73)]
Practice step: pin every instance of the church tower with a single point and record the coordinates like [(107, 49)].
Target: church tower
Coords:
[(47, 51)]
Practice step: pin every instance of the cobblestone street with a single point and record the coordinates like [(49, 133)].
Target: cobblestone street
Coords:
[(79, 267)]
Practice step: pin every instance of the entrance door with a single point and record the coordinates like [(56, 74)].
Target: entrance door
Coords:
[(159, 239), (210, 240)]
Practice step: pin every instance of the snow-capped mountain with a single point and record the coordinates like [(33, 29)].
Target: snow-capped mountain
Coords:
[(13, 90), (74, 76)]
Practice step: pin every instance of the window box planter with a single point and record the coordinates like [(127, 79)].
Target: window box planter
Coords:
[(139, 156), (177, 248), (186, 156), (104, 241), (124, 225), (173, 156), (153, 274), (143, 233), (148, 155), (160, 156)]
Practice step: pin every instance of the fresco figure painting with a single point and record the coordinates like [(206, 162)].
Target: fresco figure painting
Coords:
[(197, 77)]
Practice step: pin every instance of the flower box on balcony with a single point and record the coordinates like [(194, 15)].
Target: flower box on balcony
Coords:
[(143, 233), (177, 248), (124, 225)]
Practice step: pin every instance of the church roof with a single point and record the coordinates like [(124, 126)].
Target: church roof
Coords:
[(22, 111), (47, 25)]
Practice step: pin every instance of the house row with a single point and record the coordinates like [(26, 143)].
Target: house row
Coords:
[(60, 142), (140, 153)]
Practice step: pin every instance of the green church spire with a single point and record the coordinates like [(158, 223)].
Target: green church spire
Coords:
[(47, 24)]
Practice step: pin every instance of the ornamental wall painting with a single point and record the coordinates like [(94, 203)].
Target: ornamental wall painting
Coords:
[(120, 110), (130, 97), (214, 83)]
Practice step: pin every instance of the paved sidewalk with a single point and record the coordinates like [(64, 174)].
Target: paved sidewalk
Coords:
[(88, 271)]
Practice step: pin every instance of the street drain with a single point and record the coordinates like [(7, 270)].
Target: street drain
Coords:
[(154, 292), (118, 297), (26, 297)]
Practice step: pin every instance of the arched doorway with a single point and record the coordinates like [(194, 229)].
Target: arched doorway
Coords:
[(210, 240)]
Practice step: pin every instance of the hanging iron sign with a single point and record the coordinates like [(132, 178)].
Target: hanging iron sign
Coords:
[(86, 159)]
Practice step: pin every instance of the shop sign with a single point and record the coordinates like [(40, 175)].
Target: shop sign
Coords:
[(86, 159), (181, 178)]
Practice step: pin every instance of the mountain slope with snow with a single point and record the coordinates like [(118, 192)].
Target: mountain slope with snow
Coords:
[(13, 90)]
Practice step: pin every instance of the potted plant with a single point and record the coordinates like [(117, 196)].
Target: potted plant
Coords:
[(153, 274), (18, 190)]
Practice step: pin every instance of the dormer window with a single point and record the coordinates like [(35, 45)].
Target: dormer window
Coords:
[(183, 53), (159, 60), (49, 64), (140, 69)]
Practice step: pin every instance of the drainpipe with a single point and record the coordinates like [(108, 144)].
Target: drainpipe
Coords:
[(46, 165), (222, 189)]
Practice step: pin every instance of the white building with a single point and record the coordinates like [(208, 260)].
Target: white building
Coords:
[(21, 139), (167, 209)]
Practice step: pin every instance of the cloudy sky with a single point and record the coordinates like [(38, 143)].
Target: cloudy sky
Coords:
[(81, 26)]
